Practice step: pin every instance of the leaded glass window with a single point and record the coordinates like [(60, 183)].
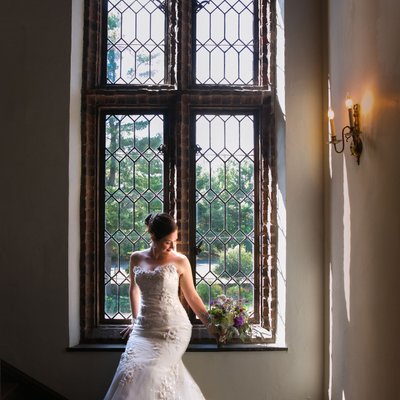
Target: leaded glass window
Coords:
[(178, 117), (225, 207), (133, 188), (135, 42), (225, 42)]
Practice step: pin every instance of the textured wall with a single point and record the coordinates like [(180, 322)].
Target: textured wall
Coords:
[(363, 204)]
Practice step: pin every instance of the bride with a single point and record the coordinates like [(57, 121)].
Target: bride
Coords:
[(151, 366)]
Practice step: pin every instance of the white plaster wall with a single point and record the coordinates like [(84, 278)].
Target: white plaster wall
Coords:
[(363, 204), (39, 216)]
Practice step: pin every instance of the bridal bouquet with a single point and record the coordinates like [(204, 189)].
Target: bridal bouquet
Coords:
[(230, 318)]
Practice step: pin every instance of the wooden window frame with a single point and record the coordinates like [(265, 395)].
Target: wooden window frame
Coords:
[(179, 99)]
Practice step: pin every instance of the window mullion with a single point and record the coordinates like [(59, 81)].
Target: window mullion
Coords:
[(170, 161)]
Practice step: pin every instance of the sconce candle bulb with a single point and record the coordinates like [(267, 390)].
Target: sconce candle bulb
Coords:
[(349, 106), (331, 116), (349, 102)]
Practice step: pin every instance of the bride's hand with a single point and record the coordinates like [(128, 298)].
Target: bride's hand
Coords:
[(126, 332), (213, 331)]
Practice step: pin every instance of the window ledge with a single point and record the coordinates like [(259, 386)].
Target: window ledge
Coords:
[(235, 347), (260, 336), (200, 347), (261, 340)]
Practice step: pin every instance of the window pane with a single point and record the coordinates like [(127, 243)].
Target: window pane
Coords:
[(225, 42), (225, 213), (133, 185), (135, 42)]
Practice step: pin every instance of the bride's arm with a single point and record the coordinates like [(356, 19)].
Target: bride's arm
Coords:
[(190, 293), (134, 296)]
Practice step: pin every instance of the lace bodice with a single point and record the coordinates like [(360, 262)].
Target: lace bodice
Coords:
[(157, 284), (160, 306)]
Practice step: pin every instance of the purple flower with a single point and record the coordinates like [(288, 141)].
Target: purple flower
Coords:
[(238, 321)]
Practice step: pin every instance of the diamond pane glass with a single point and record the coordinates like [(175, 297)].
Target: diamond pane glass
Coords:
[(135, 42), (133, 182), (225, 42), (225, 210)]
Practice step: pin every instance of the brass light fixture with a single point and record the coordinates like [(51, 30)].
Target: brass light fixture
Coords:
[(351, 131)]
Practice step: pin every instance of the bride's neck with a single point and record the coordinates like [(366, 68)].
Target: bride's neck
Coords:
[(155, 254)]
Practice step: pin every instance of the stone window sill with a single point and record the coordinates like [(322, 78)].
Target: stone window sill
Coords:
[(201, 347), (201, 342)]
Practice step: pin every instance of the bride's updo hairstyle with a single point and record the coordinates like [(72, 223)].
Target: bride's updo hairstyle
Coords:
[(160, 225)]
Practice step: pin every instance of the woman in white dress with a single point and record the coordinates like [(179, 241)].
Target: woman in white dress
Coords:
[(151, 366)]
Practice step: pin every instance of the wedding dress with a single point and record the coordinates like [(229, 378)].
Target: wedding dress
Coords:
[(151, 367)]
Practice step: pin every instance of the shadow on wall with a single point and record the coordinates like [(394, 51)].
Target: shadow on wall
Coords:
[(16, 385)]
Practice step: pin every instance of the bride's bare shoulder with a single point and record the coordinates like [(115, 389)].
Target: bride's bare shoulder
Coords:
[(138, 256), (181, 262)]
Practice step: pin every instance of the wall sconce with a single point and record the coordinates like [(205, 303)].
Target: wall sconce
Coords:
[(351, 131)]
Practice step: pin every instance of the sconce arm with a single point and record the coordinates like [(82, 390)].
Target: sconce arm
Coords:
[(335, 142)]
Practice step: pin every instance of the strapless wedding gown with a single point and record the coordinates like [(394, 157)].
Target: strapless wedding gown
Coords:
[(151, 367)]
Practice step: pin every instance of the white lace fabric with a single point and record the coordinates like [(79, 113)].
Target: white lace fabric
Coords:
[(151, 367)]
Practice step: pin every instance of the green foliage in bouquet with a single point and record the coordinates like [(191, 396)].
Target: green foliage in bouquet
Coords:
[(230, 319)]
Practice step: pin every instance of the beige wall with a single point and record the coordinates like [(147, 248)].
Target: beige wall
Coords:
[(39, 214), (363, 204)]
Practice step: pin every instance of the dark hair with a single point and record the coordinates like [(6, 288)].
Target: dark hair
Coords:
[(160, 225)]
